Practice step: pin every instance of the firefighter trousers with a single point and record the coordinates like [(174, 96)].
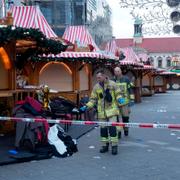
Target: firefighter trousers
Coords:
[(109, 133)]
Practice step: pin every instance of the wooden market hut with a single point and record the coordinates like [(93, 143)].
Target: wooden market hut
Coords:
[(76, 78), (144, 71), (42, 71), (168, 79), (147, 72), (173, 75), (172, 79), (161, 78), (16, 41), (34, 55), (137, 67), (111, 51), (129, 61), (30, 18), (147, 81), (130, 64), (68, 73)]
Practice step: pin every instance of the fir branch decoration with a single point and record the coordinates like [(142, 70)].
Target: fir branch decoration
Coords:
[(44, 45)]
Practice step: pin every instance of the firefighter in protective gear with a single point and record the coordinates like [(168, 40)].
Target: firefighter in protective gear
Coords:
[(125, 87), (43, 96), (105, 95), (46, 97)]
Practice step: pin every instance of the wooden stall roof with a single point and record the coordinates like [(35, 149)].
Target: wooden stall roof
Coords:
[(131, 57), (112, 48), (31, 17), (146, 67), (85, 56), (143, 57), (79, 35), (84, 47)]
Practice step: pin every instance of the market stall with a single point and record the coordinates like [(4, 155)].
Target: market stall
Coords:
[(147, 79), (173, 74), (68, 74), (129, 61), (17, 44), (74, 65), (160, 83), (38, 60), (130, 65)]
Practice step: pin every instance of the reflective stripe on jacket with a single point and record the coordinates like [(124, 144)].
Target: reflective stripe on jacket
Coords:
[(125, 87), (105, 109)]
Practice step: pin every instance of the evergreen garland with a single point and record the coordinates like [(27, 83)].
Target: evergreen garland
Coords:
[(107, 62), (44, 45)]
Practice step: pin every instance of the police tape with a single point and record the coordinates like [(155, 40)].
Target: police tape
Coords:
[(101, 123)]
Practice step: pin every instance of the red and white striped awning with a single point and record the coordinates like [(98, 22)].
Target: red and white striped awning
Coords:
[(78, 55), (143, 57), (124, 62), (31, 17), (167, 73), (130, 57), (68, 54), (75, 55), (111, 47), (146, 67), (79, 35)]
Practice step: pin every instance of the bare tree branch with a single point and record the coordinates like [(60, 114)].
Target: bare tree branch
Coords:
[(154, 14)]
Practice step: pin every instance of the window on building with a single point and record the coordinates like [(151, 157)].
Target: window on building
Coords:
[(79, 13), (159, 59), (168, 61), (47, 11)]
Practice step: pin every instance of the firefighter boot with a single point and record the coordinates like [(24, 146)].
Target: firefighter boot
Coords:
[(119, 135), (114, 150), (126, 131), (104, 149)]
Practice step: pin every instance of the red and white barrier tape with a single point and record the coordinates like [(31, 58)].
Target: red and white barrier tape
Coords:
[(102, 123)]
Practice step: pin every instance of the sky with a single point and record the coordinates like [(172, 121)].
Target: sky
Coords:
[(122, 21)]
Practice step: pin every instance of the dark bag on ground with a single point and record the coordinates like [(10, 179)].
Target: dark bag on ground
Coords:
[(69, 142), (63, 145)]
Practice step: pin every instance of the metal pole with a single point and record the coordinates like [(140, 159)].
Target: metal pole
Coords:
[(3, 8)]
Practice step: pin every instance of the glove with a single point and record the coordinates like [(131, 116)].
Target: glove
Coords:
[(13, 152), (121, 100), (75, 110), (83, 108)]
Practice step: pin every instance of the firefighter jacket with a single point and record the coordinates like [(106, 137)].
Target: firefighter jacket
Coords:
[(125, 87), (105, 96)]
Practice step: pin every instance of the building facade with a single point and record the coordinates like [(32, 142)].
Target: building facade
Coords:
[(62, 13), (160, 51), (94, 14)]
